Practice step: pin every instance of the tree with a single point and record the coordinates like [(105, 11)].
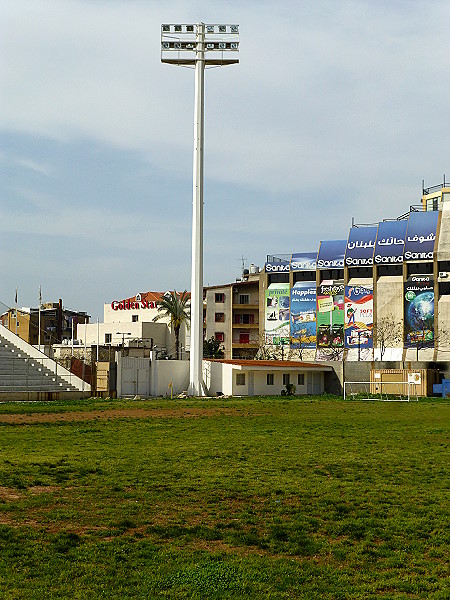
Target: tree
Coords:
[(387, 333), (212, 348), (176, 308)]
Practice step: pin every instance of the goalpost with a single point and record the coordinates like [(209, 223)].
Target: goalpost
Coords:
[(385, 391)]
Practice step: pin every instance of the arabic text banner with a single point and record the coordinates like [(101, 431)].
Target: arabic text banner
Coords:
[(419, 312), (303, 315), (390, 242), (277, 314), (358, 316), (421, 235), (360, 246)]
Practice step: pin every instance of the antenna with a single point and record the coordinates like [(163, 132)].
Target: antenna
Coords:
[(243, 263)]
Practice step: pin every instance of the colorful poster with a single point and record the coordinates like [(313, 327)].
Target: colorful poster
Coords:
[(419, 311), (421, 234), (277, 314), (330, 315), (303, 315), (360, 246), (390, 242), (331, 254), (304, 261), (358, 316)]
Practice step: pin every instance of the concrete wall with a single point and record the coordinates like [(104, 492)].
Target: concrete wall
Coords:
[(443, 244), (389, 306), (165, 372)]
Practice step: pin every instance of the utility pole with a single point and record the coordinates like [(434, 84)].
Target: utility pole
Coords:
[(198, 46)]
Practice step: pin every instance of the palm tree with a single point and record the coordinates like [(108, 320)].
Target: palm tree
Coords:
[(176, 308)]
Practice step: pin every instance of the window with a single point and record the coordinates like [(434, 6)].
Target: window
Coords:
[(244, 319), (135, 318), (220, 297), (108, 338), (244, 299), (269, 378), (286, 379), (301, 379), (219, 336), (240, 378), (219, 317), (244, 338)]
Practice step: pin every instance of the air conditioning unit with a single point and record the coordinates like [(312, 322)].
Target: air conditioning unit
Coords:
[(443, 274)]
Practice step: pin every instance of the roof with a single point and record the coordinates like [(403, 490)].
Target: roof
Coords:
[(153, 296), (271, 364)]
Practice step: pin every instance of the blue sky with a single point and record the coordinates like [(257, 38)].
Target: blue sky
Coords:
[(336, 110)]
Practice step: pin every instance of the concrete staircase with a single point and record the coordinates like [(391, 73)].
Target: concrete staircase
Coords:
[(24, 369)]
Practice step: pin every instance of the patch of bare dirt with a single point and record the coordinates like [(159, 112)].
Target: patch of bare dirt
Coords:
[(131, 413)]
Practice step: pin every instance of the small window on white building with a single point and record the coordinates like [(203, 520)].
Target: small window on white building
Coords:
[(301, 379), (270, 378), (286, 379), (108, 338), (134, 318), (240, 378)]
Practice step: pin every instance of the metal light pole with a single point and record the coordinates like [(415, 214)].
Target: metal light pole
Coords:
[(189, 45)]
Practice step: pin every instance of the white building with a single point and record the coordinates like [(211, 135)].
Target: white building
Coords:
[(130, 321)]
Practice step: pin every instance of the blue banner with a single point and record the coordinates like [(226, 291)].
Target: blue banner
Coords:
[(360, 246), (303, 315), (304, 261), (331, 254), (421, 235), (390, 242), (277, 267)]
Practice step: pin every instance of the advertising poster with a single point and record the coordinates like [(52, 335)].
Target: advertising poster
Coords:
[(303, 315), (277, 314), (419, 312), (421, 234), (361, 246), (390, 242), (358, 317), (330, 315)]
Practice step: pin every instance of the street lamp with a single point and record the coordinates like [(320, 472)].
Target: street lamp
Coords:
[(199, 46)]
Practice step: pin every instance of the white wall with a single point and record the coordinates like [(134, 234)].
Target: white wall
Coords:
[(165, 372), (221, 377)]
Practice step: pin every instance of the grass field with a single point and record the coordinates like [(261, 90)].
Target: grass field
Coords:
[(245, 498)]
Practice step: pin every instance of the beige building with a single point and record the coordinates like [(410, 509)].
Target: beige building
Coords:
[(231, 315)]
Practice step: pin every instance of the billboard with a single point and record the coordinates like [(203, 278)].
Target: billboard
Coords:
[(331, 254), (421, 234), (303, 315), (304, 261), (358, 316), (277, 314), (390, 242), (419, 311), (279, 266), (330, 315), (360, 246)]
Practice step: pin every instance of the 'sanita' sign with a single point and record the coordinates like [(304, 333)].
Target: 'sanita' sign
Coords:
[(131, 304)]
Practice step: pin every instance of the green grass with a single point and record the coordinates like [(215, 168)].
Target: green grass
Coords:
[(286, 498)]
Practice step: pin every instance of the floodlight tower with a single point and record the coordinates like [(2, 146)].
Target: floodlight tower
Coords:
[(198, 46)]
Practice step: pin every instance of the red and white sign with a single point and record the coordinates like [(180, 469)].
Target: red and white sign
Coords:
[(132, 304)]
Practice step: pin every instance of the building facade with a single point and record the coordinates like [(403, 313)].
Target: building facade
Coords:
[(130, 322), (231, 316), (57, 324), (382, 293)]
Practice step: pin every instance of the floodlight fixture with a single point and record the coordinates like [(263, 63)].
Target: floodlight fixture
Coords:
[(194, 45)]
